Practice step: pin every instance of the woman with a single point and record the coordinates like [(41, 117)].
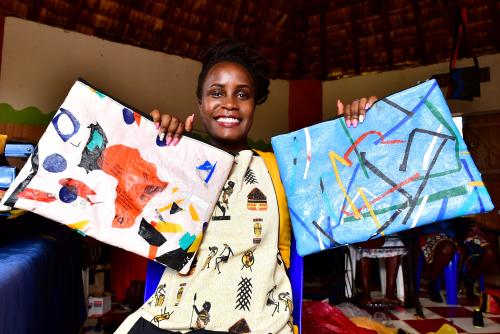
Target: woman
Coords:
[(240, 276), (391, 249)]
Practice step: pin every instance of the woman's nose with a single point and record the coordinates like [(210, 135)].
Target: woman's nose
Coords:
[(230, 102)]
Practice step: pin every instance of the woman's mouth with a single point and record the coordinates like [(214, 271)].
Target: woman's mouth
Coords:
[(228, 122)]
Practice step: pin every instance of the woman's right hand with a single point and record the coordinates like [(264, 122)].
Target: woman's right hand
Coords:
[(171, 127)]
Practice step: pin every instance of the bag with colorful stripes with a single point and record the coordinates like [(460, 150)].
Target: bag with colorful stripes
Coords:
[(405, 166)]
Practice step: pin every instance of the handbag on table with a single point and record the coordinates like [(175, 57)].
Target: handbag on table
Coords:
[(101, 168), (405, 166)]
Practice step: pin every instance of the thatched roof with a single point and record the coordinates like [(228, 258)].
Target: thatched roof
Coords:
[(315, 39)]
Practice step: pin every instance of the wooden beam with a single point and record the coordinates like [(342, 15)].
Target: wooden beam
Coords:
[(386, 31), (421, 50), (262, 26), (35, 9), (167, 19), (208, 25), (124, 12), (287, 36), (76, 13), (2, 30), (355, 41), (241, 11), (301, 46), (323, 41), (495, 16)]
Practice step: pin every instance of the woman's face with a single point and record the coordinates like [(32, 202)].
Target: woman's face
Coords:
[(227, 104)]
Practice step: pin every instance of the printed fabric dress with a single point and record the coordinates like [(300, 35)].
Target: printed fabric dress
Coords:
[(238, 282)]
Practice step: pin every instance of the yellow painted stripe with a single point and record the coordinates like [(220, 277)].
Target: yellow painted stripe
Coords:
[(464, 152), (476, 184), (168, 227), (79, 225), (194, 214), (169, 206), (333, 158), (370, 209), (196, 244)]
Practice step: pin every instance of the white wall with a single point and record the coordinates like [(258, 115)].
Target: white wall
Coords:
[(40, 63), (386, 83)]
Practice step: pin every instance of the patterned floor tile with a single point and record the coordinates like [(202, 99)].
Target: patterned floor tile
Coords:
[(410, 314), (452, 311), (466, 324)]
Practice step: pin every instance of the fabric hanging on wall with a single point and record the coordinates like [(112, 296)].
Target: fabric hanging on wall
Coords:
[(405, 166), (101, 168)]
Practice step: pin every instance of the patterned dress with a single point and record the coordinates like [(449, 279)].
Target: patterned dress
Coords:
[(239, 282)]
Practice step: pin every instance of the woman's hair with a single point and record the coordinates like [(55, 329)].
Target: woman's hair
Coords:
[(241, 53)]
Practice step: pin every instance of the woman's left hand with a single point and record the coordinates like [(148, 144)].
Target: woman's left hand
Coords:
[(355, 112)]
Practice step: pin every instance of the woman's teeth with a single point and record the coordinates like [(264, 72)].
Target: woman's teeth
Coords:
[(228, 120)]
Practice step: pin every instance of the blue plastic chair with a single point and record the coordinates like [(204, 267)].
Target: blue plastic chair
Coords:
[(155, 270), (450, 277)]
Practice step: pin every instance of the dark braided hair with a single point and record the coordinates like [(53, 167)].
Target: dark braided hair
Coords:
[(241, 53)]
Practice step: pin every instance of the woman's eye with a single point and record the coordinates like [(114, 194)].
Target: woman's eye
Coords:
[(216, 94), (242, 95)]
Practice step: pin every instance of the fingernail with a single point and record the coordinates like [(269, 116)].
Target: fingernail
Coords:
[(361, 118), (169, 140), (368, 105), (175, 141), (162, 136), (354, 123), (348, 123), (157, 125)]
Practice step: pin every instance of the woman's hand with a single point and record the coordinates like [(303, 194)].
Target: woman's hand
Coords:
[(355, 111), (171, 126)]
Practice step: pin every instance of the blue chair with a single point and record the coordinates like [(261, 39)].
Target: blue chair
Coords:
[(8, 173), (450, 277), (155, 270)]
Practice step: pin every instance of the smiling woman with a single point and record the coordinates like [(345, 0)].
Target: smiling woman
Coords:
[(241, 276), (227, 105)]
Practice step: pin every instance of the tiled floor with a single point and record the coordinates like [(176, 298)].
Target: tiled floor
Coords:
[(436, 315)]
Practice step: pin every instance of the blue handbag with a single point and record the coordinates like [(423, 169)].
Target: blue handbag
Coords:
[(405, 166)]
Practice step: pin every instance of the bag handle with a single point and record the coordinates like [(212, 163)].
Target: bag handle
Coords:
[(462, 26)]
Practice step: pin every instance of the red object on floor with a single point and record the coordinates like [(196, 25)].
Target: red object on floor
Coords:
[(322, 318), (125, 268), (431, 325)]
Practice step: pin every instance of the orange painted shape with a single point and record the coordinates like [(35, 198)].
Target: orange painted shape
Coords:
[(137, 180), (36, 195), (137, 118), (152, 252)]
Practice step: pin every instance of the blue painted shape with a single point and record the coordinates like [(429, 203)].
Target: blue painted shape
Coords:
[(128, 116), (76, 125), (207, 166), (419, 159), (442, 210), (101, 95), (161, 143), (186, 240), (68, 194), (97, 141), (55, 163)]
